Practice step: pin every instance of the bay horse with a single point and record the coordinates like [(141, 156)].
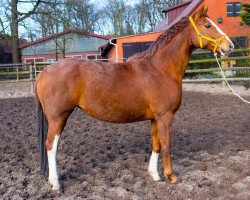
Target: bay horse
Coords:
[(147, 87)]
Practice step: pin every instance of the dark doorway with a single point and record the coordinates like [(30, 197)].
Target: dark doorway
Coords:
[(132, 48)]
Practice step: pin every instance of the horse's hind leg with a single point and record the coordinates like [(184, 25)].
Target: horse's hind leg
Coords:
[(55, 128), (156, 148)]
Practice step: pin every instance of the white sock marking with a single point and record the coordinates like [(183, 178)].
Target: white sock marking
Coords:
[(220, 31), (152, 168), (53, 174)]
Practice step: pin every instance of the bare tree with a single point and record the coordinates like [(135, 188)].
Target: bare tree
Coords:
[(116, 17), (141, 17), (150, 12), (83, 13), (14, 32), (121, 16), (16, 18), (67, 14)]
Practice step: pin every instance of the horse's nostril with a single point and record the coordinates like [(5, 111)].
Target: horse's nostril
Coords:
[(231, 48)]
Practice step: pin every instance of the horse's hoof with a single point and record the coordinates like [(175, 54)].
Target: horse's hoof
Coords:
[(55, 184), (154, 175), (172, 178), (56, 187)]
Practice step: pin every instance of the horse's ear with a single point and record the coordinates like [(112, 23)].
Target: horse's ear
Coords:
[(201, 12)]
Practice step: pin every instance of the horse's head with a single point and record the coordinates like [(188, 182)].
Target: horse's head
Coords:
[(206, 34)]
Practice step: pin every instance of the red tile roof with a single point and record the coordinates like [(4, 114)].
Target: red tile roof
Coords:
[(176, 6), (187, 12), (62, 33)]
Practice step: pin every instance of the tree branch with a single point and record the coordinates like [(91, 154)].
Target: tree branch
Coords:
[(33, 11)]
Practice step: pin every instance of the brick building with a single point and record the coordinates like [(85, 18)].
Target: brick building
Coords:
[(225, 13)]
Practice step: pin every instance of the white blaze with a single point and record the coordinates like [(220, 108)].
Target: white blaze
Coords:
[(220, 31)]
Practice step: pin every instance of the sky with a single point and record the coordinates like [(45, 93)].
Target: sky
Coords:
[(25, 7)]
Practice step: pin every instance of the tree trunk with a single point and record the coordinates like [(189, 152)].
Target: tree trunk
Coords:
[(14, 32)]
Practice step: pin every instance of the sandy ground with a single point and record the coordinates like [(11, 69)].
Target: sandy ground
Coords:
[(16, 90), (25, 89), (97, 160)]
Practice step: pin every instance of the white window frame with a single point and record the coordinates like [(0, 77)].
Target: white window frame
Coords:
[(25, 60), (96, 55), (51, 60), (73, 56)]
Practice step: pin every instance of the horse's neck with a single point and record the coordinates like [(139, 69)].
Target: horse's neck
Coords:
[(175, 55)]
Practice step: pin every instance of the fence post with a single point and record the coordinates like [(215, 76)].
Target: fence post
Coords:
[(35, 68), (31, 79), (17, 73), (224, 65), (31, 72)]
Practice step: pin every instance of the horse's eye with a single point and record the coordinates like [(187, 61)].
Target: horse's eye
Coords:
[(208, 25)]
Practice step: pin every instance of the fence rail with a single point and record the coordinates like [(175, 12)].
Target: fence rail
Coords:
[(220, 59), (29, 71)]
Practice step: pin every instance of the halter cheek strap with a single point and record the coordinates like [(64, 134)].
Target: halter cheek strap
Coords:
[(216, 41)]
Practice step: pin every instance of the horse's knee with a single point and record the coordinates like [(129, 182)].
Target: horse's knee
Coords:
[(165, 151)]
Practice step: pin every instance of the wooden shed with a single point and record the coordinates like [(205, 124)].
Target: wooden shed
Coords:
[(70, 43)]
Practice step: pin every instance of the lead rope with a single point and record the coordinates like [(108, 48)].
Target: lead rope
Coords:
[(225, 79)]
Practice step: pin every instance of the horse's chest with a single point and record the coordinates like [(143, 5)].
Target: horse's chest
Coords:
[(166, 97)]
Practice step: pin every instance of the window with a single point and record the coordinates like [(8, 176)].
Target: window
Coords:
[(51, 60), (73, 56), (233, 9), (32, 60), (93, 56)]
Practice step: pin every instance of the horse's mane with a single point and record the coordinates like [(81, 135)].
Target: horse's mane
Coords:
[(163, 39)]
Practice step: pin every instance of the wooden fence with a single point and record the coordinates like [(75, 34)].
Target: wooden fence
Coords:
[(231, 64), (29, 72)]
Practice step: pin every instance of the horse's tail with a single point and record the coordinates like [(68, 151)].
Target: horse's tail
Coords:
[(42, 135)]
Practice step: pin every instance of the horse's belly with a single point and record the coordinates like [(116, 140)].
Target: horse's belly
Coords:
[(118, 114)]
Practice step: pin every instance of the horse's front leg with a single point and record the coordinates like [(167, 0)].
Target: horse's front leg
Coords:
[(164, 125)]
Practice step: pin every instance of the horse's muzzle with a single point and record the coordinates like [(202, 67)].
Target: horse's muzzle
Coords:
[(226, 49)]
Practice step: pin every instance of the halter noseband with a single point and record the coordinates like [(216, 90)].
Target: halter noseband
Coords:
[(216, 41)]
